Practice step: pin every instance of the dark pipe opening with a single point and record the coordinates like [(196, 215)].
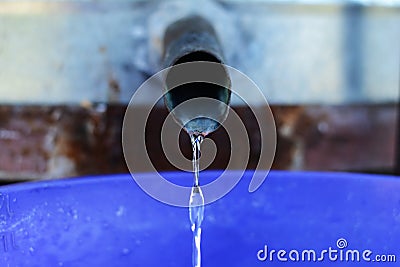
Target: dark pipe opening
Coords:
[(192, 90), (197, 56)]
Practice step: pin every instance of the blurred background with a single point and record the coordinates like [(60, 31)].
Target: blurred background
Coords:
[(329, 70)]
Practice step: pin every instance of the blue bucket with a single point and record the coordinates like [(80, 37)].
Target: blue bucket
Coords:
[(293, 219)]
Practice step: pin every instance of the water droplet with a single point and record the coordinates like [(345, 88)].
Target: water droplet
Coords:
[(60, 210), (120, 211), (126, 251)]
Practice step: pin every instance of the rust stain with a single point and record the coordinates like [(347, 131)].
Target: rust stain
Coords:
[(60, 141), (114, 85), (114, 89), (102, 49), (288, 143)]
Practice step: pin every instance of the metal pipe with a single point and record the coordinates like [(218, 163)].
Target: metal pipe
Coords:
[(193, 39)]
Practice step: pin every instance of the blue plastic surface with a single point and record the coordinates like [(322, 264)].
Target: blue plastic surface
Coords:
[(109, 221)]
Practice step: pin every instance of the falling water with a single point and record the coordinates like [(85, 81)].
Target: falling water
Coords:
[(196, 203)]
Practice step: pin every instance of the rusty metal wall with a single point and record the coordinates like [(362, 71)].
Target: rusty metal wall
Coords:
[(63, 141)]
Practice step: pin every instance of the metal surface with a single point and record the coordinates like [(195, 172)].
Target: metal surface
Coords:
[(189, 40), (61, 141)]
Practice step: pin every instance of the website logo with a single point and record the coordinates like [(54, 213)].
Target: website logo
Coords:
[(341, 252)]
